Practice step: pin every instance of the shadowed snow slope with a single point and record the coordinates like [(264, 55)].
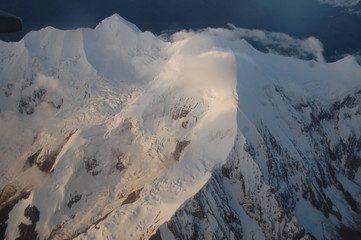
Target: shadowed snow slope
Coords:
[(113, 133)]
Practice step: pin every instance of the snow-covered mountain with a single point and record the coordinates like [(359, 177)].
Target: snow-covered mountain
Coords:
[(114, 133)]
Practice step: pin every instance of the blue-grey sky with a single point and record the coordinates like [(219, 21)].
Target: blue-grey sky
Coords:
[(339, 30)]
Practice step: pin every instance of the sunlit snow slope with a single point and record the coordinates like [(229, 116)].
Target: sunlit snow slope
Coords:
[(114, 133)]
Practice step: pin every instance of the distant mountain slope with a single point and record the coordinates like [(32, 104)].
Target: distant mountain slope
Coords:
[(113, 133)]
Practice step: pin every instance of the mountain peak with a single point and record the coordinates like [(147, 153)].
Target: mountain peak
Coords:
[(117, 21), (112, 133)]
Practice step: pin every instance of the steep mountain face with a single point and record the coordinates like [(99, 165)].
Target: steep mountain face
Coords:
[(293, 173), (114, 133)]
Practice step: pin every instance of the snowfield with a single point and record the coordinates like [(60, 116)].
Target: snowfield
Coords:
[(114, 133)]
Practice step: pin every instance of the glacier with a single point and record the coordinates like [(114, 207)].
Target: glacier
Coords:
[(115, 133)]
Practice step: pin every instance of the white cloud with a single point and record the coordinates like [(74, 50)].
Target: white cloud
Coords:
[(49, 82), (274, 42), (282, 43), (340, 3)]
